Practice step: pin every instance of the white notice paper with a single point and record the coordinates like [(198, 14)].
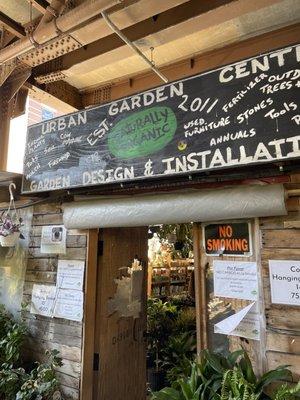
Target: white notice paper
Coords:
[(42, 300), (244, 323), (285, 282), (53, 240), (235, 279), (70, 274), (69, 304)]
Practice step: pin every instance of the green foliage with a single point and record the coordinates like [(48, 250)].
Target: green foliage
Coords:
[(42, 383), (179, 350), (12, 334), (15, 383), (216, 377), (288, 393), (160, 323), (171, 337), (11, 379), (183, 233)]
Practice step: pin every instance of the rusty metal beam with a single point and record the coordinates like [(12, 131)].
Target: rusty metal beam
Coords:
[(66, 97), (12, 26), (39, 5), (203, 62), (172, 17), (6, 37), (56, 94), (193, 15)]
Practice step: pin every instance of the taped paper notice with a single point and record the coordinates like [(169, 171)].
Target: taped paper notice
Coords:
[(70, 274), (235, 279), (127, 300), (53, 240), (42, 300), (68, 304), (245, 323), (285, 282)]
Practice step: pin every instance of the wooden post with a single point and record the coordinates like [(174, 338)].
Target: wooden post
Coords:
[(87, 376), (5, 115), (200, 291), (261, 351)]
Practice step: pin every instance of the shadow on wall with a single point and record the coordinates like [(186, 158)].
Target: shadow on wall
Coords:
[(13, 262)]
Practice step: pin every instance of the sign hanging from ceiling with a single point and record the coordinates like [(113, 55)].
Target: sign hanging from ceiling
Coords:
[(228, 239), (240, 114)]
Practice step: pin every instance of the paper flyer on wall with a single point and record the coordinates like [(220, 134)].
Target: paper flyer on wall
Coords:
[(53, 240), (235, 279), (285, 282), (42, 300), (245, 323), (70, 274), (68, 304)]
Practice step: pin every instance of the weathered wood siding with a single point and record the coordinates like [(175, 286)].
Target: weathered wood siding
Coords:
[(280, 240), (54, 333)]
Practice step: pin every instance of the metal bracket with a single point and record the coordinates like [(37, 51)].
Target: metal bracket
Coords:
[(96, 362)]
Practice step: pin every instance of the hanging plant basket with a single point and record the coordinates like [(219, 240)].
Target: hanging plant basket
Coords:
[(10, 223), (9, 240)]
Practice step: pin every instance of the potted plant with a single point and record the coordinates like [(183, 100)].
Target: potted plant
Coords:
[(160, 321), (10, 230)]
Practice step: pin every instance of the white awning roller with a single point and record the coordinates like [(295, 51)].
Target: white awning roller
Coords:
[(196, 206)]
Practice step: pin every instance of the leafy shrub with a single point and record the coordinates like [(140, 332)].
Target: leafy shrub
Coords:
[(15, 382), (12, 335), (215, 377), (171, 337)]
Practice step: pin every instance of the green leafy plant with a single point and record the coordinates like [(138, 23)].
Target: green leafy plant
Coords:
[(216, 377), (182, 236), (11, 379), (286, 392), (12, 334), (160, 322), (40, 383), (177, 354)]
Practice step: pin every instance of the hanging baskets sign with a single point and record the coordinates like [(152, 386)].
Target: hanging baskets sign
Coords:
[(240, 114)]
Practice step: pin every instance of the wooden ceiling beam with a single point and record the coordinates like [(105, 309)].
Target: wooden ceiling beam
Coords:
[(12, 26)]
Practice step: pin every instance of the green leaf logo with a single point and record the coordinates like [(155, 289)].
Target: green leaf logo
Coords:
[(142, 133)]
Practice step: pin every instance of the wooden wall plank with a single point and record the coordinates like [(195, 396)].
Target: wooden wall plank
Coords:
[(71, 254), (275, 359), (281, 238), (54, 333), (47, 219), (284, 343), (283, 317)]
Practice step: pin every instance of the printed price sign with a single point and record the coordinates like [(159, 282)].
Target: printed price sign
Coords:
[(285, 282)]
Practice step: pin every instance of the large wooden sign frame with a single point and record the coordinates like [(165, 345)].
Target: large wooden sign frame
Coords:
[(241, 114)]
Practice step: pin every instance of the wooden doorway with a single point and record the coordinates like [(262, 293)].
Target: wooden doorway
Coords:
[(120, 346)]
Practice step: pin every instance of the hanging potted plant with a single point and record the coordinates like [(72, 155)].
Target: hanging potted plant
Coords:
[(10, 230), (10, 223)]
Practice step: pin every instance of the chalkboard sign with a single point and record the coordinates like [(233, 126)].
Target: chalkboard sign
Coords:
[(230, 239), (240, 114)]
